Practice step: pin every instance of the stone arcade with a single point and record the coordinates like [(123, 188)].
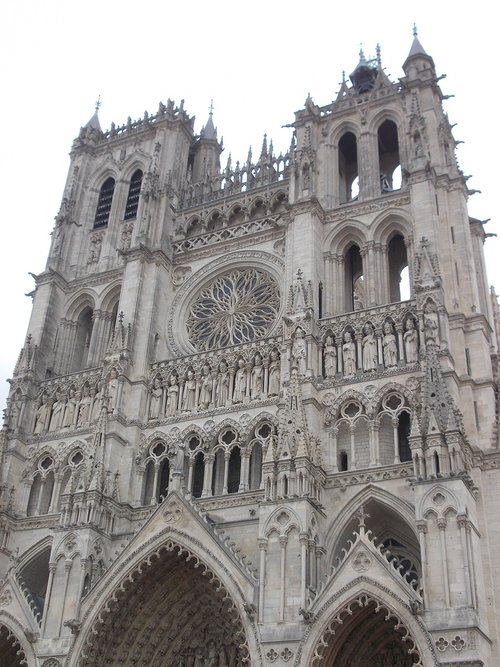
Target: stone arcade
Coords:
[(254, 421)]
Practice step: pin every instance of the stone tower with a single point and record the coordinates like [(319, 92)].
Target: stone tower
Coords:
[(254, 421)]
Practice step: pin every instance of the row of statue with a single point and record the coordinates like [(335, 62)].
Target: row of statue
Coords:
[(215, 388), (75, 409), (369, 352)]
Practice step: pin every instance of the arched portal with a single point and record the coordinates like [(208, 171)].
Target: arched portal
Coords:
[(369, 639), (11, 652), (172, 610), (366, 633)]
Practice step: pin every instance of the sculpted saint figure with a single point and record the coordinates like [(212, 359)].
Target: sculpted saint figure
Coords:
[(274, 374), (69, 415), (172, 397), (97, 404), (206, 388), (389, 346), (155, 399), (257, 377), (369, 349), (84, 410), (189, 401), (222, 387), (57, 413), (330, 357), (410, 340), (431, 326), (299, 351), (112, 390), (240, 383), (42, 416), (349, 354)]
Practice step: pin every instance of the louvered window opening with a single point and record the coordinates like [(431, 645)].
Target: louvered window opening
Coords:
[(104, 203), (133, 196)]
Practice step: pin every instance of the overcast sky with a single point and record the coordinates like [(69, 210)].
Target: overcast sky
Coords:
[(257, 60)]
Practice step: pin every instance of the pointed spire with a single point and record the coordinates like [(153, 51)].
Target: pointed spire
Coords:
[(94, 123), (209, 131), (263, 152), (417, 51)]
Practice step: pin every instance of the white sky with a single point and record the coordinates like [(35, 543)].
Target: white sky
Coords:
[(59, 55)]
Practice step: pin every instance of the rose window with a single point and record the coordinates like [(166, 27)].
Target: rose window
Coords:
[(235, 308)]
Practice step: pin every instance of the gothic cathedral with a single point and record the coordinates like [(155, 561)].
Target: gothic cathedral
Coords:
[(254, 420)]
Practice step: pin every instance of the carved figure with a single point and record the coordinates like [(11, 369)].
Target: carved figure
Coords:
[(97, 404), (42, 416), (274, 374), (179, 457), (172, 397), (257, 377), (410, 339), (206, 388), (299, 352), (349, 354), (69, 414), (84, 410), (431, 326), (57, 413), (189, 400), (240, 383), (112, 390), (330, 357), (370, 358), (389, 346), (222, 387), (155, 399)]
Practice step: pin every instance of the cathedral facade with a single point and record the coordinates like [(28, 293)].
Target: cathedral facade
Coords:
[(254, 421)]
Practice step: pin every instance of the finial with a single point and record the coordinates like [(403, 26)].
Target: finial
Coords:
[(343, 76), (415, 32), (379, 57), (98, 104), (361, 516), (211, 107)]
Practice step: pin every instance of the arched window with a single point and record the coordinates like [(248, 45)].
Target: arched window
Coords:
[(104, 203), (163, 480), (198, 475), (398, 269), (234, 472), (354, 283), (134, 192), (388, 157), (348, 168), (83, 336), (403, 435)]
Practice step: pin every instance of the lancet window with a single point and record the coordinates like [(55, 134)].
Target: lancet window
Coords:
[(104, 203), (42, 486), (133, 196), (348, 168), (388, 156)]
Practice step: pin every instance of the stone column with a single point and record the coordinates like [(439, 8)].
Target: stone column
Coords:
[(262, 576), (422, 531), (283, 543), (462, 526), (304, 542), (441, 523)]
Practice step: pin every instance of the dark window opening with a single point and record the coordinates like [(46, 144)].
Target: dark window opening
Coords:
[(348, 168), (388, 157), (403, 437), (104, 203), (163, 480), (354, 283), (398, 273), (134, 192), (343, 462), (234, 472), (198, 475)]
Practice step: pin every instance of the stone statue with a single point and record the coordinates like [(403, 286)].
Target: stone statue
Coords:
[(69, 414), (370, 356), (240, 382), (349, 354), (155, 399), (112, 390), (410, 339), (97, 403), (172, 397), (257, 378), (274, 374), (431, 326), (299, 351), (222, 386), (179, 457), (206, 388), (389, 346), (84, 409), (189, 400), (57, 413), (330, 357), (42, 416)]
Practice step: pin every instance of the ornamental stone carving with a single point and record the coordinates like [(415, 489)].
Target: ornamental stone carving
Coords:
[(235, 308)]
